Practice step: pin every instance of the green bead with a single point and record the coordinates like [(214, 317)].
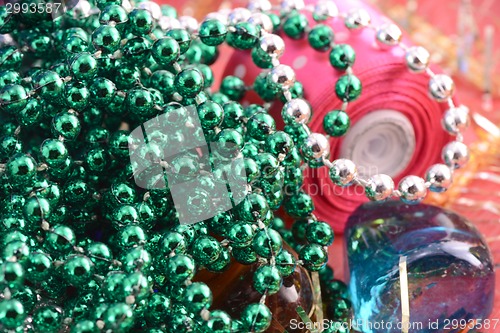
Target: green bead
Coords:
[(256, 318), (167, 10), (9, 77), (233, 87), (189, 82), (205, 249), (31, 113), (165, 51), (20, 169), (76, 96), (84, 326), (97, 160), (244, 35), (9, 145), (38, 266), (113, 13), (11, 274), (267, 243), (78, 270), (180, 268), (59, 240), (261, 60), (140, 21), (10, 57), (47, 319), (8, 21), (139, 101), (113, 286), (254, 207), (124, 215), (267, 280), (279, 143), (320, 37), (348, 88), (336, 123), (136, 258), (268, 164), (245, 255), (222, 263), (212, 32), (233, 112), (319, 233), (53, 152), (12, 313), (13, 98), (83, 66), (219, 322), (67, 125), (264, 89), (197, 297), (295, 25), (102, 91), (137, 50), (211, 114), (299, 205), (73, 44), (157, 307), (260, 125), (182, 37), (118, 144), (136, 284), (48, 85), (313, 256), (241, 234), (131, 236), (285, 262), (342, 56), (101, 256), (106, 38), (26, 296), (229, 142), (36, 209), (119, 317)]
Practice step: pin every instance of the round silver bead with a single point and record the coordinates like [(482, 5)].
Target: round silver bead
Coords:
[(357, 18), (273, 45), (417, 59), (216, 16), (238, 15), (325, 9), (440, 177), (318, 146), (263, 21), (456, 119), (167, 23), (288, 6), (83, 9), (455, 154), (189, 23), (296, 111), (343, 172), (282, 75), (380, 187), (441, 87), (389, 34), (259, 5), (412, 189), (152, 7)]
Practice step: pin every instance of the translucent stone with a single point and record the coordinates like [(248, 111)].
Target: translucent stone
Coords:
[(450, 269)]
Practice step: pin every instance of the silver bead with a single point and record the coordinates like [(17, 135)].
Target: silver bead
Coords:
[(343, 172), (259, 5), (380, 187), (417, 59), (455, 154), (83, 9), (357, 18), (273, 45), (389, 34), (263, 21), (288, 6), (282, 75), (189, 23), (152, 7), (216, 16), (317, 146), (412, 189), (441, 87), (456, 119), (440, 177), (238, 15), (296, 111), (325, 9), (167, 23)]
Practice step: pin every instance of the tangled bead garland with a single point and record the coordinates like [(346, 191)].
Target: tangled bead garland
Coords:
[(86, 249)]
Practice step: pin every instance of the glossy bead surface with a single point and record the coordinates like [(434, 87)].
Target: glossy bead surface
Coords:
[(348, 88), (189, 82), (343, 172), (212, 32), (244, 36), (441, 87), (320, 37), (336, 123), (295, 26), (417, 59), (456, 119), (455, 154), (440, 177), (388, 34), (12, 313), (380, 187), (296, 111), (357, 18), (413, 189)]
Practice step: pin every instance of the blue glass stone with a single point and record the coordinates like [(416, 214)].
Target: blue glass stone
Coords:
[(450, 269)]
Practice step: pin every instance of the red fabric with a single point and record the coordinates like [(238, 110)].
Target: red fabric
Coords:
[(387, 84)]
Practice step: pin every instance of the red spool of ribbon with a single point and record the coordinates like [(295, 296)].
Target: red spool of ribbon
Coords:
[(395, 125)]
